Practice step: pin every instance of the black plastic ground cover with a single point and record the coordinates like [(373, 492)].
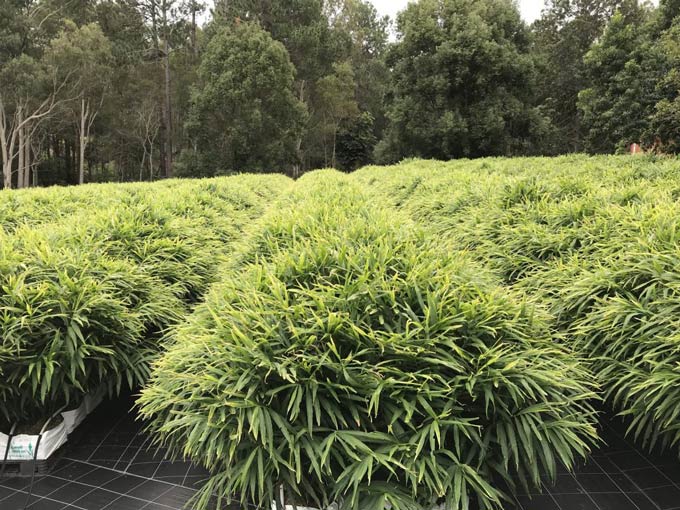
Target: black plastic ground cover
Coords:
[(619, 476), (108, 464)]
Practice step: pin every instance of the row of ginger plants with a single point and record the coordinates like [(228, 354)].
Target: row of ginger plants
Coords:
[(348, 357), (387, 339), (93, 277), (594, 241)]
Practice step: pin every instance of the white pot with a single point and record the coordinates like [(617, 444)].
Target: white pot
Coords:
[(23, 445)]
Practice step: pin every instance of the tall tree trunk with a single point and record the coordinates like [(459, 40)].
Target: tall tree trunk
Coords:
[(13, 134), (7, 174), (193, 28), (167, 114), (325, 145), (5, 148), (27, 160), (82, 142), (167, 106), (22, 141), (151, 162), (297, 168), (141, 166), (335, 144), (69, 158)]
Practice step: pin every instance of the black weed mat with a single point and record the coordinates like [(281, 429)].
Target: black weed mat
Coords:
[(618, 476), (109, 464)]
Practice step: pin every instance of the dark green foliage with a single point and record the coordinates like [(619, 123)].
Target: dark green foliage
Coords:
[(669, 10), (350, 360), (462, 82), (356, 143), (623, 71), (462, 78), (244, 116), (664, 131), (562, 37), (298, 24)]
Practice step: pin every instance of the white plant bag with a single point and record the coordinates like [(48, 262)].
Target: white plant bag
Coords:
[(23, 445), (74, 417), (92, 401), (334, 506)]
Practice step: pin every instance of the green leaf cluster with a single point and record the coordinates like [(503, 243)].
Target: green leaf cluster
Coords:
[(348, 358), (88, 291), (594, 239)]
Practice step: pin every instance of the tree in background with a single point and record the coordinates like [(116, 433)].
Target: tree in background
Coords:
[(15, 25), (27, 86), (82, 57), (664, 131), (464, 78), (29, 93), (461, 83), (356, 143), (129, 125), (244, 115), (563, 36), (363, 39), (320, 35), (161, 21), (337, 106), (300, 25), (623, 70), (669, 10)]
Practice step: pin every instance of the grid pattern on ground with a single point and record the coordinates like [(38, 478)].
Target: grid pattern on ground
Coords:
[(619, 476), (109, 464)]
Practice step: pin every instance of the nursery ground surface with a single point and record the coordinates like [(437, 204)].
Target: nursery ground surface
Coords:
[(108, 465)]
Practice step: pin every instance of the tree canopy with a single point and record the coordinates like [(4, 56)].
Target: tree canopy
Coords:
[(99, 90), (243, 112), (462, 76)]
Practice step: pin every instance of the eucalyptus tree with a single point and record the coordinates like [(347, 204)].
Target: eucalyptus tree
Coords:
[(27, 94), (30, 91), (82, 55), (160, 16)]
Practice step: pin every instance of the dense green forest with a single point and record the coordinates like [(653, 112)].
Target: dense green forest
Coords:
[(126, 90)]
